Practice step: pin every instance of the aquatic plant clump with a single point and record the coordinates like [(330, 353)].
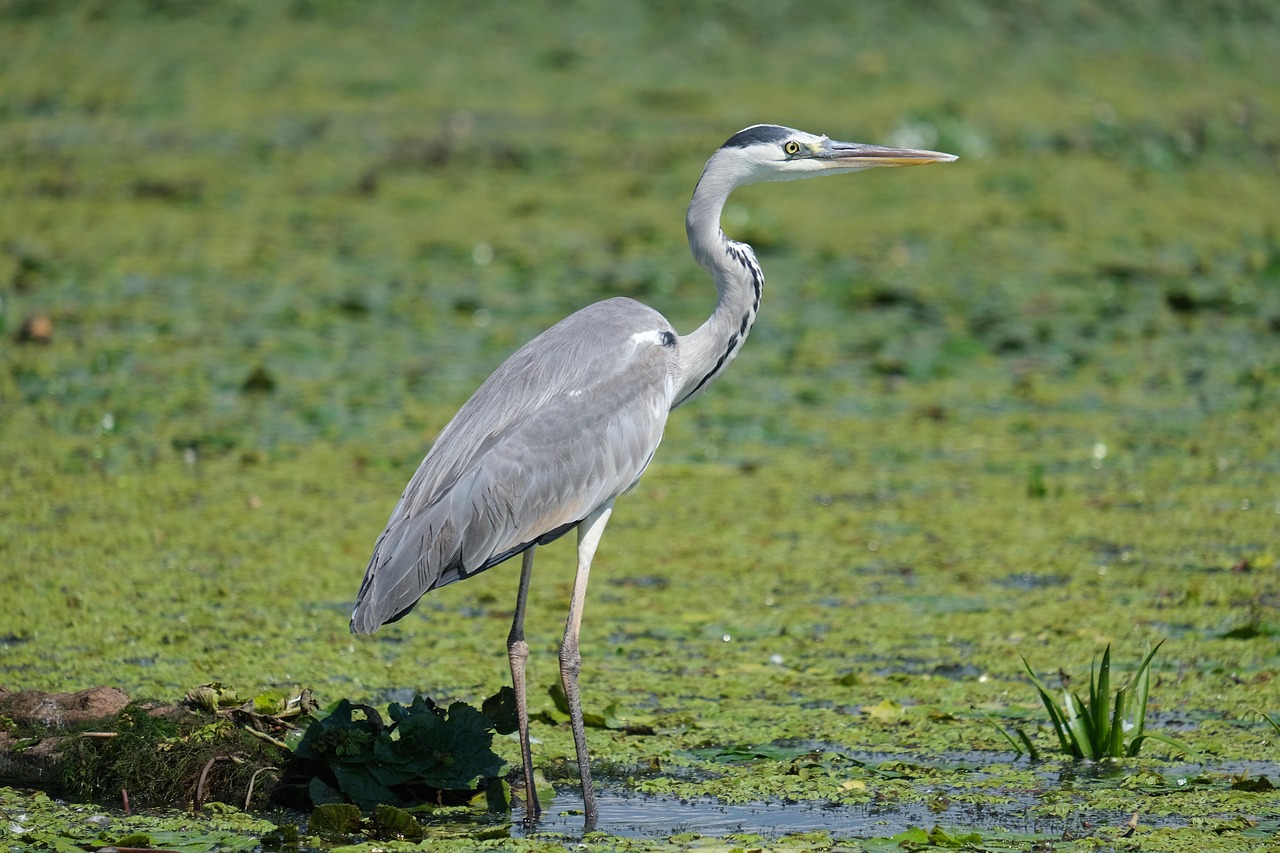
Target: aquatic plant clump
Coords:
[(1105, 726), (424, 754), (149, 758)]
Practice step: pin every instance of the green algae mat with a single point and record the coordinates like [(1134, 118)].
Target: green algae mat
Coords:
[(253, 257)]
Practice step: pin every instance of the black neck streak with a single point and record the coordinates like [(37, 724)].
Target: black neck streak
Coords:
[(742, 256)]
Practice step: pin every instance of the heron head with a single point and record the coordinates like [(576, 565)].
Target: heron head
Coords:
[(770, 152)]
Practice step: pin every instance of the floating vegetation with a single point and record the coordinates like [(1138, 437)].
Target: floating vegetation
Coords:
[(36, 822), (254, 255)]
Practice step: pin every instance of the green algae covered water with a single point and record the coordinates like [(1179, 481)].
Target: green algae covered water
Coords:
[(253, 258)]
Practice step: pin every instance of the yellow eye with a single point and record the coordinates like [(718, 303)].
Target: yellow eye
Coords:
[(792, 148)]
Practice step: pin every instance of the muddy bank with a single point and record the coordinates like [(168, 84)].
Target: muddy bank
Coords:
[(99, 744)]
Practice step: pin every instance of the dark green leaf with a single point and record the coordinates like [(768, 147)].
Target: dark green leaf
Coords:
[(360, 786), (391, 823), (1259, 784), (322, 793), (556, 692), (500, 709), (334, 821)]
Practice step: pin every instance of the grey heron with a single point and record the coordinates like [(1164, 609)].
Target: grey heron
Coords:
[(570, 421)]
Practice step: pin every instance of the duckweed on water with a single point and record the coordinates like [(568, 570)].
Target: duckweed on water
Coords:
[(1024, 405), (33, 821)]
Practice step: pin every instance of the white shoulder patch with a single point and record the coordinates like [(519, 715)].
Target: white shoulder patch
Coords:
[(653, 336)]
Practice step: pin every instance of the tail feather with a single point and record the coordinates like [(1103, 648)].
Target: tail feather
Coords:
[(411, 558), (404, 569)]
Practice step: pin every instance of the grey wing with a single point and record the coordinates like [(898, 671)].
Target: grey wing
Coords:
[(567, 424)]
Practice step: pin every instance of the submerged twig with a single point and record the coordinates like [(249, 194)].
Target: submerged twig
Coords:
[(268, 738), (253, 779), (204, 777)]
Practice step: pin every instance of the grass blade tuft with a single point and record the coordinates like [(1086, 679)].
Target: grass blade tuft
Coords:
[(1107, 726)]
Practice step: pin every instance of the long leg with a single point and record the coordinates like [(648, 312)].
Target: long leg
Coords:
[(589, 532), (518, 654)]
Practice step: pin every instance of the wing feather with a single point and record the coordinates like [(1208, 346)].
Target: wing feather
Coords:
[(567, 424)]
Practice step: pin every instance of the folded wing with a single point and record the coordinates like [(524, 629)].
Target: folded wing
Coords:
[(568, 423)]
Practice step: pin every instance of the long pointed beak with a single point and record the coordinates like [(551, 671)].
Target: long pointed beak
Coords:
[(837, 155)]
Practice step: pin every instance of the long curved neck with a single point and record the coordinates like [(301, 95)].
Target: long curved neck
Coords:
[(707, 351)]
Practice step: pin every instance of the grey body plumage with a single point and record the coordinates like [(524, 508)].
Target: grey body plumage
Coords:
[(565, 425), (571, 420)]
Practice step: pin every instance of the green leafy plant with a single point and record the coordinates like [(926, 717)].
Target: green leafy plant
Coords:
[(1264, 715), (1021, 744), (425, 753), (1104, 727)]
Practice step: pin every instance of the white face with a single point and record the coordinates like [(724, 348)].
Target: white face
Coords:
[(803, 154), (791, 157)]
